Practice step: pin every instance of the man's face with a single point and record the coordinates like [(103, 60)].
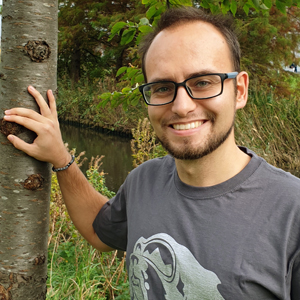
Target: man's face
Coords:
[(187, 128)]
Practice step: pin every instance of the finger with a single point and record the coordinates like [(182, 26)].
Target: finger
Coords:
[(29, 123), (44, 108), (52, 103), (11, 114)]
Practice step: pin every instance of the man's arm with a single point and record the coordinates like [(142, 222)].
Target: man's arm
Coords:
[(82, 200)]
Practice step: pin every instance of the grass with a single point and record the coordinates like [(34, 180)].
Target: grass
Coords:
[(75, 269), (271, 127)]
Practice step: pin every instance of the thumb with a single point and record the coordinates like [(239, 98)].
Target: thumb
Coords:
[(18, 143)]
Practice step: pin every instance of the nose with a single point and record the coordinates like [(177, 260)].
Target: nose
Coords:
[(183, 103)]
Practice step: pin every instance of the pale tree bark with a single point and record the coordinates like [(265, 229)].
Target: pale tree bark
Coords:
[(28, 57)]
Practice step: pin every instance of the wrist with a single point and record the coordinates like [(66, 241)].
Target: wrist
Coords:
[(64, 166)]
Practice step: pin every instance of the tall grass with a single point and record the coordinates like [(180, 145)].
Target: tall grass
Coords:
[(271, 127), (75, 269)]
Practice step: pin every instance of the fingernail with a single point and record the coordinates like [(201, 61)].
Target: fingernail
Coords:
[(10, 137), (7, 112), (31, 88)]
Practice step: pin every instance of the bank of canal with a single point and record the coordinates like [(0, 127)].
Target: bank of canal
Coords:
[(117, 162)]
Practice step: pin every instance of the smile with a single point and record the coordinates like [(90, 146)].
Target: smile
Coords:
[(188, 125)]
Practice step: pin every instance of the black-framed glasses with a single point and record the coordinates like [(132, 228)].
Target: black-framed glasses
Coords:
[(198, 87)]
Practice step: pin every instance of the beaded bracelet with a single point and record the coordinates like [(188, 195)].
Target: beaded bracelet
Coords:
[(66, 167)]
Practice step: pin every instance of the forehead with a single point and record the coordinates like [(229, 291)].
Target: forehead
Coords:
[(185, 49)]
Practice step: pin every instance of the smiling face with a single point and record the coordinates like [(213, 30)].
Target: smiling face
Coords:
[(187, 128)]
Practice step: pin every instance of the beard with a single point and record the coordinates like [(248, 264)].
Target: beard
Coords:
[(189, 152)]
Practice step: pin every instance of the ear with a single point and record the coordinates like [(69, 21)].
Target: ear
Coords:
[(242, 82)]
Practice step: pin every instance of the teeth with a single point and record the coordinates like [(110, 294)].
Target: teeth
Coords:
[(187, 126)]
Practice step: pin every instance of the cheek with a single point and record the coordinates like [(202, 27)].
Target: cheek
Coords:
[(155, 114)]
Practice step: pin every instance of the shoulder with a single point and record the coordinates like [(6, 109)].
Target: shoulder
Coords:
[(165, 163), (280, 179), (271, 175)]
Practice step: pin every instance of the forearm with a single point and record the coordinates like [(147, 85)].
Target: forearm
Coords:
[(83, 203)]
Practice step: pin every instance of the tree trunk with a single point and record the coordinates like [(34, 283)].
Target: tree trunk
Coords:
[(29, 42), (75, 64)]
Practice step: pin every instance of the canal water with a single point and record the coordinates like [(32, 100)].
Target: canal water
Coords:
[(117, 161)]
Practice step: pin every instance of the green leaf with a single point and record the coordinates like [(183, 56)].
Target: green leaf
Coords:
[(128, 36), (205, 4), (233, 7), (214, 8), (256, 3), (246, 8), (139, 78), (121, 70), (263, 7), (105, 96), (103, 103), (145, 29), (144, 21), (116, 29), (225, 6), (151, 12), (268, 3), (281, 6), (135, 101), (126, 90), (132, 73)]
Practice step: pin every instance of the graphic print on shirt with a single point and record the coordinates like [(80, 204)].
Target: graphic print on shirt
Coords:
[(162, 265)]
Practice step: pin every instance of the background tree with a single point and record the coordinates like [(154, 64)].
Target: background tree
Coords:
[(84, 28), (29, 41)]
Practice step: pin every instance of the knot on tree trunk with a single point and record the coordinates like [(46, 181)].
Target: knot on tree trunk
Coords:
[(37, 50), (10, 128), (33, 182)]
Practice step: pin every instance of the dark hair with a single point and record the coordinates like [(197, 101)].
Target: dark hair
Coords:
[(176, 16)]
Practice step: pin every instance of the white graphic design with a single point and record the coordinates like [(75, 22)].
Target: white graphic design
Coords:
[(172, 264)]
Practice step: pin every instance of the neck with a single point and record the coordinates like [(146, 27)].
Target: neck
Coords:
[(220, 165)]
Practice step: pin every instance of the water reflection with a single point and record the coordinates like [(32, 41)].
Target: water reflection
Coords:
[(117, 161)]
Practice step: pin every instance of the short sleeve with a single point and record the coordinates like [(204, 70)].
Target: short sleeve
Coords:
[(111, 222)]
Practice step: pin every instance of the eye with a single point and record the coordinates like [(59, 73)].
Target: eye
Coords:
[(202, 83), (162, 88)]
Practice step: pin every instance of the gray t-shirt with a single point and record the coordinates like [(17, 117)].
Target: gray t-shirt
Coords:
[(238, 240)]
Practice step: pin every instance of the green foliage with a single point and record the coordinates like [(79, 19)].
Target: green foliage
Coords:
[(270, 126), (85, 48), (143, 144), (97, 177), (80, 104), (75, 269)]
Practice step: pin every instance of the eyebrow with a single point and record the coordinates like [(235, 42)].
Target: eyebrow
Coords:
[(203, 72)]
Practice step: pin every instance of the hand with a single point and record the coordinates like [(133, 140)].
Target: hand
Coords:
[(48, 145)]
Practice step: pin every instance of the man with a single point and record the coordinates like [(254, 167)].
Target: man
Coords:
[(210, 220)]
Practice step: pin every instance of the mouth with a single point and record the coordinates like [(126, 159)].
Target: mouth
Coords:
[(187, 126)]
